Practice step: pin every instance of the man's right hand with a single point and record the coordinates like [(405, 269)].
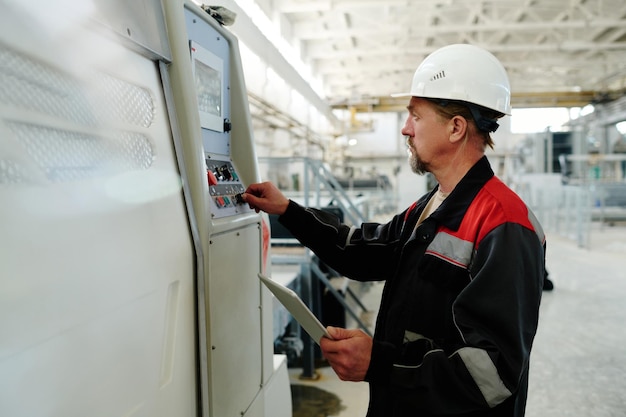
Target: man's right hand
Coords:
[(266, 197)]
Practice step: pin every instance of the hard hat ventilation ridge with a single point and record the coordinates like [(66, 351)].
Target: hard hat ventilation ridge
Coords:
[(441, 74)]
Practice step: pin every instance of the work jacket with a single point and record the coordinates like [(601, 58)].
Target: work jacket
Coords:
[(460, 304)]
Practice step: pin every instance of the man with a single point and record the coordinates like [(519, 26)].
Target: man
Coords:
[(464, 265)]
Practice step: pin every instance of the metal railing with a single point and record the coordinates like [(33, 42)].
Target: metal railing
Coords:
[(570, 210), (318, 188)]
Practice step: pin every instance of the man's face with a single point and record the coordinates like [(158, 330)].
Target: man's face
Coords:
[(425, 133)]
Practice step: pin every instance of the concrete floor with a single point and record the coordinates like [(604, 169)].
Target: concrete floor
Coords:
[(578, 364)]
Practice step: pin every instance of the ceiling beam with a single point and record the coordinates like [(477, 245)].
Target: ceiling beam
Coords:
[(310, 30), (372, 65), (304, 6), (321, 51), (519, 100)]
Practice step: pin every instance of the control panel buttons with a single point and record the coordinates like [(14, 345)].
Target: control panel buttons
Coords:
[(211, 178), (225, 188)]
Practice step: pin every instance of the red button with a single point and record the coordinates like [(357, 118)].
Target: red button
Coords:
[(211, 178)]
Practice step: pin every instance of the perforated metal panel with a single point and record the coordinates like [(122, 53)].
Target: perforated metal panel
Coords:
[(94, 100), (31, 85), (65, 155), (11, 172), (122, 101)]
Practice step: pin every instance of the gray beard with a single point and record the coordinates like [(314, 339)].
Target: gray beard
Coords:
[(417, 165)]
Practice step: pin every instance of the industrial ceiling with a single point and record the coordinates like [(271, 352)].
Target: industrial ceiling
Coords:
[(557, 52)]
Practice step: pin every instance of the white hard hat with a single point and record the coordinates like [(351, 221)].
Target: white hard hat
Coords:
[(463, 72)]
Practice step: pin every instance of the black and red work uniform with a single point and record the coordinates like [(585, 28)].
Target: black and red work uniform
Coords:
[(460, 305)]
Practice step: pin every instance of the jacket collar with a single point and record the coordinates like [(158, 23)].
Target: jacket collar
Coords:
[(453, 208)]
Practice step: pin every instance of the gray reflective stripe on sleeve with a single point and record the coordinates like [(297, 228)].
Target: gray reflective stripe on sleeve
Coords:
[(538, 229), (451, 249), (485, 374)]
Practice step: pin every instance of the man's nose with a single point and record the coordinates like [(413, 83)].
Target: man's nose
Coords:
[(406, 130)]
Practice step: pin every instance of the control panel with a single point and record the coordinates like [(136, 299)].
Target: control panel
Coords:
[(210, 54), (225, 188)]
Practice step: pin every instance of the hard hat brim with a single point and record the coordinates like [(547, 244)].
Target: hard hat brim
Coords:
[(396, 95)]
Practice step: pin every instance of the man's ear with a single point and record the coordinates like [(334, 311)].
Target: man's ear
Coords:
[(458, 128)]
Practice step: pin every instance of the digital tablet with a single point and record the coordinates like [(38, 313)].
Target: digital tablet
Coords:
[(297, 308)]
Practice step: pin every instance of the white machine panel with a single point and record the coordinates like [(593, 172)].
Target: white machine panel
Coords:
[(128, 260), (96, 263), (235, 320)]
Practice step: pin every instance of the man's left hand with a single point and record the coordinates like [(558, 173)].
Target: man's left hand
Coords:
[(348, 352)]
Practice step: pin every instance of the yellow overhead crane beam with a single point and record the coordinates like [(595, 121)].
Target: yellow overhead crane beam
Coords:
[(518, 100)]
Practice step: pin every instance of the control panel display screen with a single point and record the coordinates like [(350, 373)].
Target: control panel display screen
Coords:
[(208, 70), (209, 88)]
